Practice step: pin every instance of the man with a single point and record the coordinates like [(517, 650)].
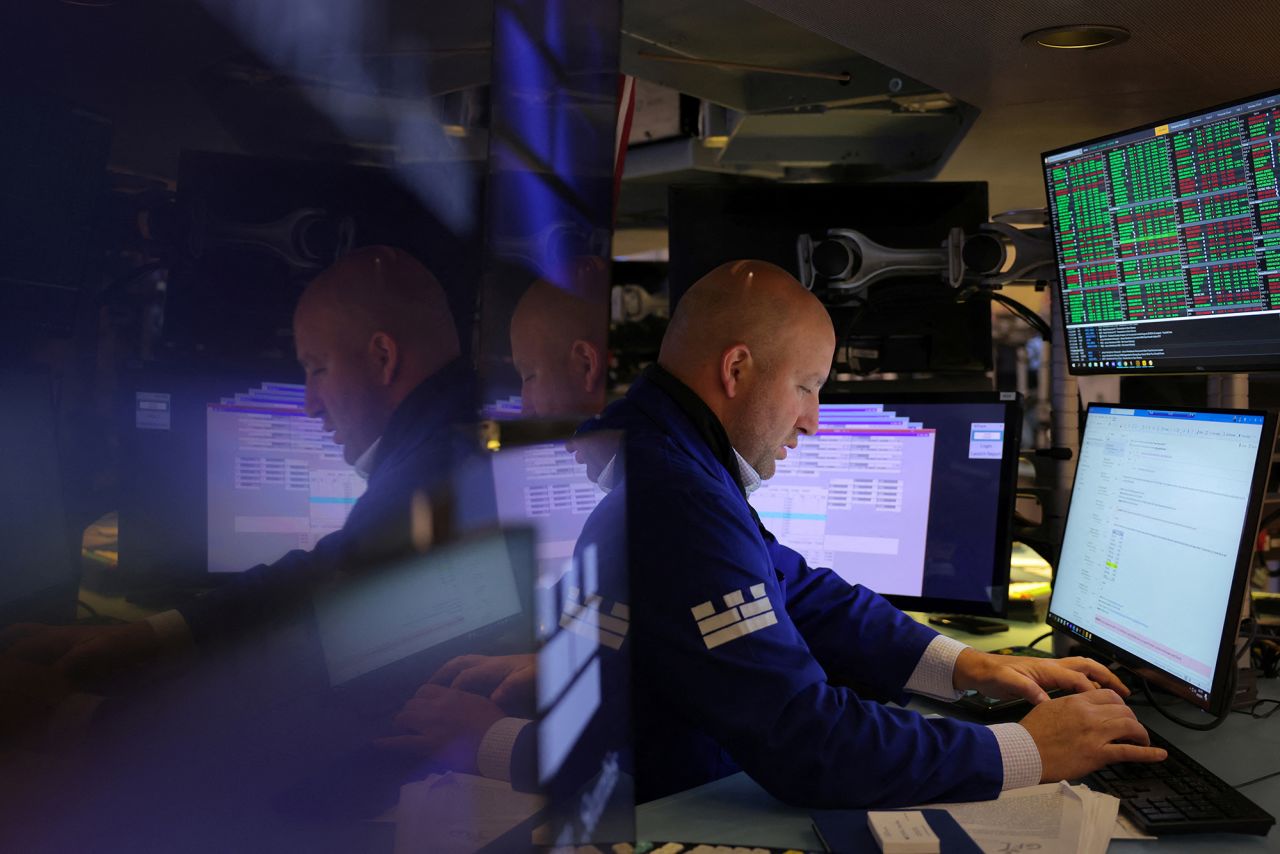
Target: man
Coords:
[(383, 371), (558, 343), (738, 644)]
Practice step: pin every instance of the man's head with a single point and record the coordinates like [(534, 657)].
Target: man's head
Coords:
[(558, 344), (368, 330), (756, 347)]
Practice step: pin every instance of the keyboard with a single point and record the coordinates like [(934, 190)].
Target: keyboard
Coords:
[(1179, 795)]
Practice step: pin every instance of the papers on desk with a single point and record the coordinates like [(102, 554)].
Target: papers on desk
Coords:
[(1054, 818), (460, 813)]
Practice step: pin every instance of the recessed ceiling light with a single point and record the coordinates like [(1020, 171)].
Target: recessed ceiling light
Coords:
[(1076, 36)]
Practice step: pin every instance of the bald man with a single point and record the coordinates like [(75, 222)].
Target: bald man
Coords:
[(738, 644), (380, 351), (558, 345)]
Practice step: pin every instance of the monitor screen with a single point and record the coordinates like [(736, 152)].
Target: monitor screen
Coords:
[(224, 471), (543, 486), (909, 323), (275, 480), (1168, 243), (419, 604), (910, 495), (1159, 538)]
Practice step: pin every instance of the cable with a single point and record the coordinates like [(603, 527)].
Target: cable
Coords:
[(93, 612), (1032, 319), (1230, 688), (1037, 640), (1252, 711), (1183, 722), (1257, 780)]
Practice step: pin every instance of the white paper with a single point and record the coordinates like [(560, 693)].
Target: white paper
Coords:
[(458, 813), (903, 832), (1053, 818)]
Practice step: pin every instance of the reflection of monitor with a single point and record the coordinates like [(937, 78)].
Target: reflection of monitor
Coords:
[(1168, 241), (910, 495), (225, 471), (1158, 542), (275, 480), (444, 597), (544, 486)]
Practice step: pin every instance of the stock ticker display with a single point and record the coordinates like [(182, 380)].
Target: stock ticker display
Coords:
[(1168, 240)]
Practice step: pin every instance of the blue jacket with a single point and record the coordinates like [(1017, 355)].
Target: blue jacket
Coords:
[(420, 447), (737, 644)]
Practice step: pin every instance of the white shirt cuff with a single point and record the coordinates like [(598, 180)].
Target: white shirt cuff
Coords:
[(1019, 754), (171, 629), (493, 758), (934, 675)]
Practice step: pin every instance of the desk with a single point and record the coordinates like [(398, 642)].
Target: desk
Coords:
[(736, 811)]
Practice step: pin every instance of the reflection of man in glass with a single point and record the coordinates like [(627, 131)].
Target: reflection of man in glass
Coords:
[(558, 342)]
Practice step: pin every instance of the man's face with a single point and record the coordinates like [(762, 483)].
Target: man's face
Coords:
[(550, 383), (781, 402), (342, 381)]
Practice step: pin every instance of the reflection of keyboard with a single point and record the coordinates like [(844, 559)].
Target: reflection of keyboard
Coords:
[(1179, 795)]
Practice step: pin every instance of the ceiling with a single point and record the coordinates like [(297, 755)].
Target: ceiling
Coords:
[(1180, 56), (936, 89)]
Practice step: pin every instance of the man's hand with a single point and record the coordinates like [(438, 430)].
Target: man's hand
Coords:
[(445, 725), (83, 653), (1081, 733), (508, 680), (1006, 677)]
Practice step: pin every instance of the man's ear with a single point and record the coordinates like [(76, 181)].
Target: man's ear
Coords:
[(734, 364), (384, 356), (587, 359)]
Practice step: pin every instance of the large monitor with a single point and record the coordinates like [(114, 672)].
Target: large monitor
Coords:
[(1168, 243), (1158, 542), (910, 495), (907, 324), (225, 470)]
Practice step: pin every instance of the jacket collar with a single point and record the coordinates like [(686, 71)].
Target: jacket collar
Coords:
[(441, 400), (706, 425)]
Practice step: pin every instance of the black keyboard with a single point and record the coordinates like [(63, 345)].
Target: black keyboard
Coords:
[(1179, 795)]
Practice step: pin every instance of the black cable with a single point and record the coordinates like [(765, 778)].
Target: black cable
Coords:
[(1037, 640), (1230, 688), (1252, 711), (93, 612), (1032, 319), (1183, 722), (1257, 780)]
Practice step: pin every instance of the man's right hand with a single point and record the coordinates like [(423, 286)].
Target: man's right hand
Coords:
[(83, 653), (1080, 733)]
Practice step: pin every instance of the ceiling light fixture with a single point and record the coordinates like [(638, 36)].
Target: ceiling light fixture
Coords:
[(1076, 36)]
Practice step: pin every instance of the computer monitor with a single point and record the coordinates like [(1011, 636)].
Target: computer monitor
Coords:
[(907, 323), (1159, 539), (275, 481), (224, 470), (910, 495), (1168, 243)]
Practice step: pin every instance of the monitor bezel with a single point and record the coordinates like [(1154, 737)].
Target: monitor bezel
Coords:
[(1220, 697), (1235, 367), (1012, 403)]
